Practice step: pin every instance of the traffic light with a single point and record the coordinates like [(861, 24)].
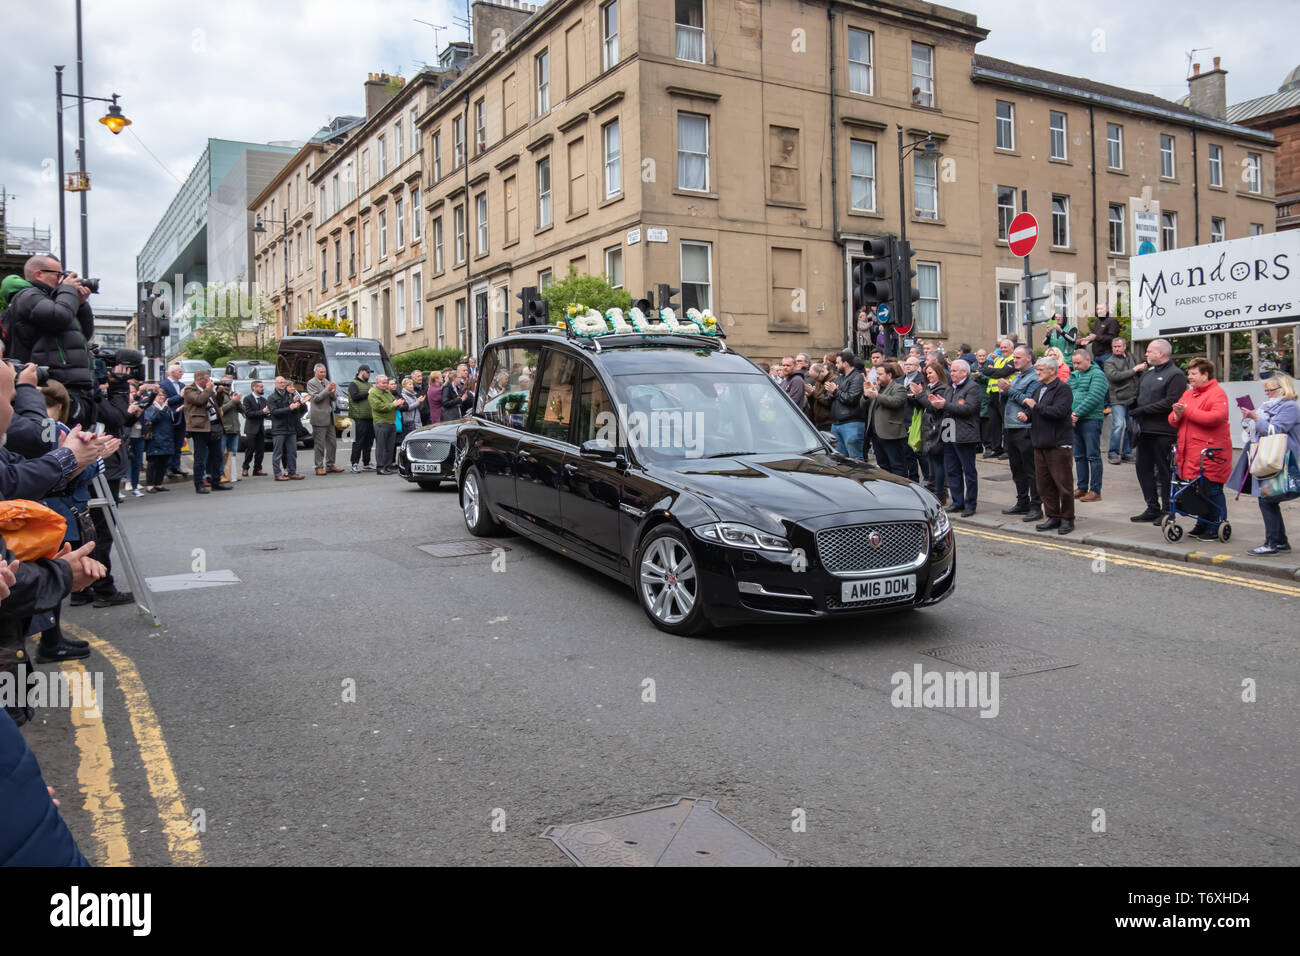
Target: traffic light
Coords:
[(907, 293), (533, 309), (646, 305), (666, 295), (873, 278)]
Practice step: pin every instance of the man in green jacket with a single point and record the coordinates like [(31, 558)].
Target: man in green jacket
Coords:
[(1089, 385), (384, 404), (363, 428)]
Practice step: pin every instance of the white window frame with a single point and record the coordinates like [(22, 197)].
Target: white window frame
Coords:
[(457, 141), (1218, 229), (381, 146), (1216, 165), (383, 235), (1254, 173), (1064, 217), (461, 248), (681, 265), (611, 254), (686, 37), (365, 169), (1006, 327), (440, 326), (437, 246), (542, 79), (399, 216), (1007, 125), (544, 216), (437, 156), (480, 125), (398, 144), (609, 35), (926, 88), (1257, 229), (417, 216), (481, 223), (932, 183), (1168, 231), (399, 293), (415, 129), (1168, 161), (614, 160), (545, 279), (693, 116), (417, 300), (1115, 146), (462, 323), (1116, 228), (365, 245), (862, 78), (1063, 133), (856, 176), (1004, 216), (921, 267)]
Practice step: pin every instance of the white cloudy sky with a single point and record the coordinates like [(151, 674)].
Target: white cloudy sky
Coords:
[(260, 70)]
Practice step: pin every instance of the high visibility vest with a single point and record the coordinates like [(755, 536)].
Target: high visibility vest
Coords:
[(1002, 361)]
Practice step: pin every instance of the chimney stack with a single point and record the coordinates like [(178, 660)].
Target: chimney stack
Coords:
[(377, 91), (1209, 90)]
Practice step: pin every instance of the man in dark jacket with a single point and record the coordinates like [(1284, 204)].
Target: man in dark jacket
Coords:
[(891, 416), (1104, 331), (286, 411), (1123, 389), (960, 433), (1051, 432), (173, 390), (1161, 383), (792, 382), (255, 415), (50, 323), (363, 427), (847, 424)]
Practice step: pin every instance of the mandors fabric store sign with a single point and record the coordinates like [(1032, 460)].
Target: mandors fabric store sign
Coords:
[(1243, 284)]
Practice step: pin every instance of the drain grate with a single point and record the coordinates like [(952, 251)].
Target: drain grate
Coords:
[(1009, 660), (687, 832), (461, 549)]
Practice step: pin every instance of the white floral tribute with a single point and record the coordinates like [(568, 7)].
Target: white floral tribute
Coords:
[(586, 322), (643, 323), (617, 322), (705, 321)]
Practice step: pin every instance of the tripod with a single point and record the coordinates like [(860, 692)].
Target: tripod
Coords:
[(104, 501)]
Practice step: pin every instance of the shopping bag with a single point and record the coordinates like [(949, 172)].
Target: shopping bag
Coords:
[(1270, 459), (914, 432), (1282, 486), (31, 530)]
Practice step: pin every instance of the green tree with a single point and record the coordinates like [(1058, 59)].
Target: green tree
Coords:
[(329, 323), (592, 291)]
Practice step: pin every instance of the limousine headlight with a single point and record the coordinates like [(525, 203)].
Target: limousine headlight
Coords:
[(735, 535), (939, 524)]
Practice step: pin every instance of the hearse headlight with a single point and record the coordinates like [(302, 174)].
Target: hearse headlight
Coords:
[(939, 524), (735, 535)]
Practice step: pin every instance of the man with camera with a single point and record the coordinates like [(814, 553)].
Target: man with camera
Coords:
[(50, 324), (203, 425)]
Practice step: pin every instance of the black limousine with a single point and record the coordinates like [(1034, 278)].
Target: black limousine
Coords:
[(676, 465)]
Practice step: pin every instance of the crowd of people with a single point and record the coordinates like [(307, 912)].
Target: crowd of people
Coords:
[(926, 416)]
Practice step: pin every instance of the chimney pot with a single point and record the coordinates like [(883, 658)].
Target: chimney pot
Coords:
[(1216, 62), (1196, 69)]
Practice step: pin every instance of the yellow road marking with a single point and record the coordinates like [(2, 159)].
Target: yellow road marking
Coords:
[(95, 776), (1189, 570), (182, 841)]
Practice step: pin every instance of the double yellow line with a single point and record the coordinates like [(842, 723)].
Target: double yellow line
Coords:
[(95, 771), (1130, 561)]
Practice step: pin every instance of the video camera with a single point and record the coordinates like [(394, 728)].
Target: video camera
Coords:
[(107, 359)]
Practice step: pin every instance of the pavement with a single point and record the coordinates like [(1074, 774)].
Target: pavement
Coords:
[(1106, 524)]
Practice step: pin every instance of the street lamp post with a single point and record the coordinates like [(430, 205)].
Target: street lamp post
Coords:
[(284, 243), (114, 119)]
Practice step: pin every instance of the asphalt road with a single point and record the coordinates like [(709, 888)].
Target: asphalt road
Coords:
[(522, 691)]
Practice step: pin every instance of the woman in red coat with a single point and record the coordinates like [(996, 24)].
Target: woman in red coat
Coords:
[(1201, 417)]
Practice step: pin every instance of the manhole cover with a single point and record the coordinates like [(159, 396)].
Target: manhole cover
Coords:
[(687, 832), (1009, 660), (460, 549)]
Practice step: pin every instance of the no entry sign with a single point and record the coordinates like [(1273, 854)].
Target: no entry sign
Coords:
[(1023, 234)]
